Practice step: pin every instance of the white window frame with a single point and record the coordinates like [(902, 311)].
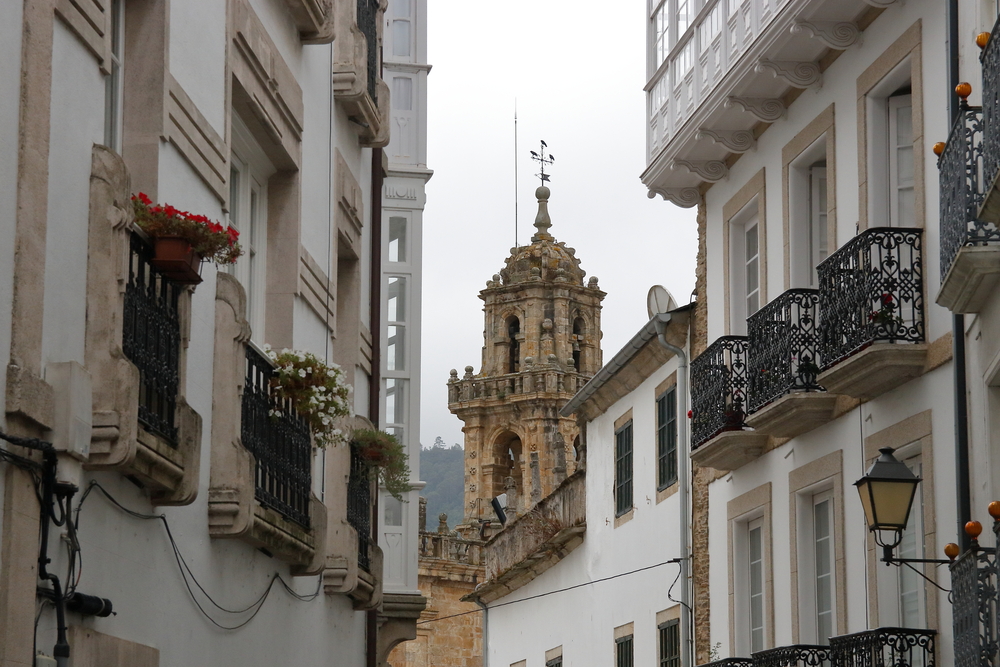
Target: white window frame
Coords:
[(740, 293), (881, 211), (807, 217), (809, 545), (115, 80), (752, 526), (250, 170), (399, 322), (897, 184), (400, 18), (742, 529)]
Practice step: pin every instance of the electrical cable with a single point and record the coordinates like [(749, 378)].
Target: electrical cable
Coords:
[(559, 590), (187, 575), (670, 591)]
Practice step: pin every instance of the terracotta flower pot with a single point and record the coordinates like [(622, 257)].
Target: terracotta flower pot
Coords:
[(174, 257)]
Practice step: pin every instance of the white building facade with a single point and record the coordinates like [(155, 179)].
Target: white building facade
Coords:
[(267, 115), (597, 579), (803, 131)]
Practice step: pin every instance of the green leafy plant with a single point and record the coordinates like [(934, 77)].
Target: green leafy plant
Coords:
[(317, 390), (209, 239), (385, 458)]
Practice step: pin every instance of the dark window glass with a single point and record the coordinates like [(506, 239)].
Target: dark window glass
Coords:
[(666, 439), (670, 644), (623, 652), (623, 469), (554, 662)]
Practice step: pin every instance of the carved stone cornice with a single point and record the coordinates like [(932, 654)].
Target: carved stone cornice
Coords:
[(712, 171), (737, 141), (765, 109), (683, 197), (838, 35), (795, 74)]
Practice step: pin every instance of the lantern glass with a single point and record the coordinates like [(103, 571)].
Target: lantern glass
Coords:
[(888, 503)]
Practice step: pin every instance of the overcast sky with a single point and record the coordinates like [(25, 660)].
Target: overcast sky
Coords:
[(576, 68)]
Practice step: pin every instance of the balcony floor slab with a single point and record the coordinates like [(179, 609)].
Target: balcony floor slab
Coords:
[(875, 370), (730, 450), (972, 278), (794, 414)]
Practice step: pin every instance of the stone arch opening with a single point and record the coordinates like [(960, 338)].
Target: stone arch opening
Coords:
[(508, 458), (514, 346), (579, 328)]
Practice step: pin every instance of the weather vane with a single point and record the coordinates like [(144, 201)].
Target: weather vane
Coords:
[(543, 160)]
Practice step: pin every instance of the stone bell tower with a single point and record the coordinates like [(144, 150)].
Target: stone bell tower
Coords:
[(542, 343)]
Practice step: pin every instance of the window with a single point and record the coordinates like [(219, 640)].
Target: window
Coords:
[(808, 206), (901, 168), (554, 662), (683, 17), (623, 469), (911, 590), (397, 239), (514, 346), (817, 215), (666, 439), (393, 511), (823, 559), (114, 80), (744, 255), (401, 28), (249, 171), (402, 93), (395, 358), (623, 652), (661, 34), (754, 572), (670, 644), (395, 407), (710, 27)]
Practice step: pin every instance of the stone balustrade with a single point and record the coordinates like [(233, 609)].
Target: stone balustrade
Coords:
[(513, 385)]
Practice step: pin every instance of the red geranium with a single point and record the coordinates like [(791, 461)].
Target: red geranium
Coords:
[(208, 238)]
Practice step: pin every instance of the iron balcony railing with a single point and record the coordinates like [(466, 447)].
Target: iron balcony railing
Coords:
[(960, 169), (975, 601), (871, 290), (783, 342), (359, 508), (718, 389), (884, 647), (279, 440), (367, 13), (989, 60), (151, 339), (797, 655), (730, 662)]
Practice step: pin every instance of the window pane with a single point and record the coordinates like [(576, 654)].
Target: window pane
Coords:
[(683, 18), (400, 38), (623, 470), (397, 239), (393, 511), (401, 9), (823, 547), (396, 299), (756, 587), (402, 93), (395, 401), (395, 348)]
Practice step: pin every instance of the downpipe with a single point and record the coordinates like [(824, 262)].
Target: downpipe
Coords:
[(660, 321), (486, 632)]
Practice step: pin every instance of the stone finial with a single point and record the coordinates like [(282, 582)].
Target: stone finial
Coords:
[(529, 361), (422, 514), (553, 360), (536, 273), (592, 283), (542, 220), (468, 372), (560, 275), (547, 326), (452, 375), (442, 523), (496, 278)]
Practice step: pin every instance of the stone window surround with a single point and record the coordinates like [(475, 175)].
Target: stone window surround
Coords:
[(664, 493), (118, 442), (754, 188), (914, 430), (753, 504), (620, 423), (554, 653), (825, 473), (821, 127), (906, 50)]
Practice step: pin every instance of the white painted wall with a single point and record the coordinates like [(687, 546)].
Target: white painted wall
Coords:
[(583, 620)]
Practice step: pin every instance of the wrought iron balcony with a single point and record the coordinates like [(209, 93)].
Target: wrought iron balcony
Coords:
[(884, 647), (279, 440), (961, 167), (783, 341), (151, 339), (989, 60), (367, 13), (359, 509), (718, 389), (871, 290), (730, 662), (797, 655)]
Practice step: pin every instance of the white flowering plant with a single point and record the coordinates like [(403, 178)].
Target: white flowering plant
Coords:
[(317, 390)]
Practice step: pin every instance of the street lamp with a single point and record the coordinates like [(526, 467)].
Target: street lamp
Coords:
[(887, 491)]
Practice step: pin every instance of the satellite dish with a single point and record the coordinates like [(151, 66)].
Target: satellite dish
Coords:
[(659, 301)]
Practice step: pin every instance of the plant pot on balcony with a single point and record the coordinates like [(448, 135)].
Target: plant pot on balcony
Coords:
[(176, 259)]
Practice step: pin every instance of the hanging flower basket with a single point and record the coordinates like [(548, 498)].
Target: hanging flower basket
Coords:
[(317, 390), (385, 458), (174, 257), (183, 239)]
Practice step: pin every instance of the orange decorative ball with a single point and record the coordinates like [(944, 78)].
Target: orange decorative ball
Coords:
[(994, 509), (951, 550), (939, 148), (963, 89), (973, 528), (982, 39)]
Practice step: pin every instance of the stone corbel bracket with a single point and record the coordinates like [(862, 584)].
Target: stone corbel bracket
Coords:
[(794, 74), (838, 35), (737, 141), (683, 197), (350, 76), (314, 19), (712, 171), (764, 109), (397, 621)]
